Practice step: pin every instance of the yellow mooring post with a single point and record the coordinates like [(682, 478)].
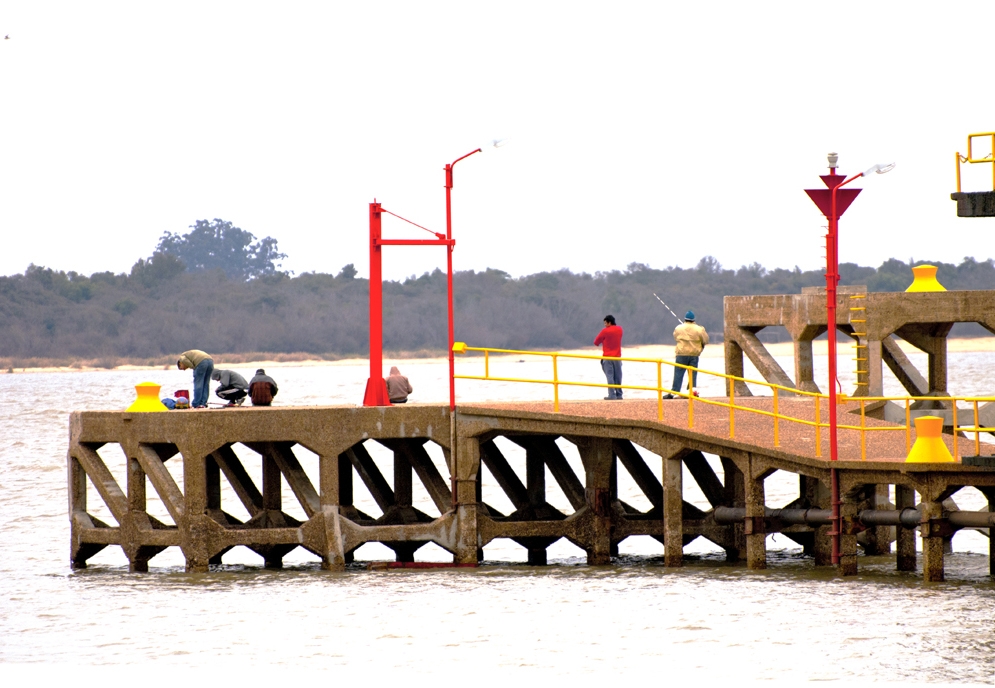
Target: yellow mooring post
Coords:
[(148, 398), (929, 446)]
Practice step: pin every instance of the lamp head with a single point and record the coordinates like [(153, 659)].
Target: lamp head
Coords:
[(491, 144), (879, 169), (832, 157)]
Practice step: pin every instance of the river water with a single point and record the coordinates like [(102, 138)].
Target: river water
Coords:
[(707, 621)]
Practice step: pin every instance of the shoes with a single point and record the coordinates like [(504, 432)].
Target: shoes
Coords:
[(609, 398), (695, 392), (613, 398), (668, 396)]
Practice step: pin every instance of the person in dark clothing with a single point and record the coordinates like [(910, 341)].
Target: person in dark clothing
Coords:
[(262, 389), (233, 387), (610, 339)]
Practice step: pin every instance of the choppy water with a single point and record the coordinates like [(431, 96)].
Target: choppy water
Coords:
[(707, 621)]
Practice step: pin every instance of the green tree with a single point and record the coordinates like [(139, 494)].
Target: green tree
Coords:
[(220, 245)]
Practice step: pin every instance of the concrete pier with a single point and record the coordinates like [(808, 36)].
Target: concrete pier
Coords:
[(609, 437)]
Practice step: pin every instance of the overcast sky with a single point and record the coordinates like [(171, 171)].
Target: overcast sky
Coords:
[(654, 132)]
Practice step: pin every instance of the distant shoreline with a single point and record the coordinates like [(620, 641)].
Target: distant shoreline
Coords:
[(302, 360)]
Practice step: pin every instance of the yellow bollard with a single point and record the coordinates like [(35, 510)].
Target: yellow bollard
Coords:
[(148, 398), (929, 446), (924, 279)]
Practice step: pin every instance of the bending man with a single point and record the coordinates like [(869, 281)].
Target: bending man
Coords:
[(202, 365), (233, 387)]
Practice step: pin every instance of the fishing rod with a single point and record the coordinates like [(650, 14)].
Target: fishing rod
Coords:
[(668, 308)]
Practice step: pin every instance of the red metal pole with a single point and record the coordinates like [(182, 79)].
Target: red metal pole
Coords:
[(449, 284), (832, 280), (376, 388)]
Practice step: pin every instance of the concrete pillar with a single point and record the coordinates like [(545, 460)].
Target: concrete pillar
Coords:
[(136, 505), (756, 535), (849, 508), (938, 365), (989, 492), (466, 469), (905, 498), (875, 369), (734, 364), (878, 539), (735, 495), (932, 542), (597, 456), (817, 496), (335, 490), (804, 370), (673, 511), (272, 501), (535, 485), (195, 505)]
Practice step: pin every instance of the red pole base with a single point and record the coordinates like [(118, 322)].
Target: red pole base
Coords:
[(376, 393)]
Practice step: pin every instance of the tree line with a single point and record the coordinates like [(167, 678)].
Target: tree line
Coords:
[(175, 300)]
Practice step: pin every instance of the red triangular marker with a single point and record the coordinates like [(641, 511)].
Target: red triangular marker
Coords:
[(823, 198)]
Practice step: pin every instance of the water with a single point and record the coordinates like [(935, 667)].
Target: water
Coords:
[(789, 623)]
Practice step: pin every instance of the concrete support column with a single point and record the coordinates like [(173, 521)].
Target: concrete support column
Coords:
[(932, 542), (989, 492), (816, 495), (938, 366), (195, 500), (335, 489), (873, 366), (849, 508), (137, 562), (734, 364), (804, 369), (735, 496), (673, 511), (597, 456), (905, 498), (535, 485), (466, 469), (878, 539), (756, 533)]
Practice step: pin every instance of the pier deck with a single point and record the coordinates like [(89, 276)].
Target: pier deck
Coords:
[(609, 437)]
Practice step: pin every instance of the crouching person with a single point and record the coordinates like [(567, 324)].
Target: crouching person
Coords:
[(262, 389), (233, 387)]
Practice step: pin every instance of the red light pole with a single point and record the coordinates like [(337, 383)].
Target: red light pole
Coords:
[(833, 202), (376, 389)]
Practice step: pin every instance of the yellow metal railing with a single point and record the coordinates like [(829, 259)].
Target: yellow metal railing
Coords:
[(969, 158), (777, 391)]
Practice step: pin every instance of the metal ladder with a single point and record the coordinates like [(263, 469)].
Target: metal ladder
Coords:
[(859, 324)]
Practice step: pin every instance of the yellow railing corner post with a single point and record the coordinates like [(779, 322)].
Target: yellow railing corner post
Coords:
[(487, 363), (908, 425), (659, 390), (556, 386), (863, 432), (977, 431), (732, 408), (777, 417), (953, 405), (818, 425)]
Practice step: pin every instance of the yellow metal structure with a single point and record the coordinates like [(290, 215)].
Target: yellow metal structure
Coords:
[(729, 381), (924, 279), (858, 319), (148, 398), (969, 158), (929, 446)]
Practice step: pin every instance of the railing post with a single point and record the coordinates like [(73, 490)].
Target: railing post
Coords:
[(690, 398), (977, 432), (953, 406), (487, 364), (777, 436), (556, 387), (818, 426), (659, 391), (908, 425), (732, 408), (863, 433)]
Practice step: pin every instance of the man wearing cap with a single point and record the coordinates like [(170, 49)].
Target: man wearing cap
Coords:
[(691, 339), (610, 339)]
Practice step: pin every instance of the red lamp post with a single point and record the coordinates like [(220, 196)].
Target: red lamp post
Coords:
[(376, 388), (833, 202)]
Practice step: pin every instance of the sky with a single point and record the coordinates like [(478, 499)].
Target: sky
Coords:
[(650, 132)]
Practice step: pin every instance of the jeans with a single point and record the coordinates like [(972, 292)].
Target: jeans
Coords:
[(679, 372), (202, 382), (613, 373)]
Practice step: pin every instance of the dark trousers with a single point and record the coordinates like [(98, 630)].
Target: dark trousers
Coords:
[(613, 373), (231, 393), (679, 372)]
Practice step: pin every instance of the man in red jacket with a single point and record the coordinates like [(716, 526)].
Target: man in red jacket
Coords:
[(610, 340)]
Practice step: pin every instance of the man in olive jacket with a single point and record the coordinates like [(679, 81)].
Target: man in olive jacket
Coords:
[(691, 339), (203, 366)]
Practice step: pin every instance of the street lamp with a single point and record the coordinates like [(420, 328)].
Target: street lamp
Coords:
[(495, 143), (376, 389), (833, 202)]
